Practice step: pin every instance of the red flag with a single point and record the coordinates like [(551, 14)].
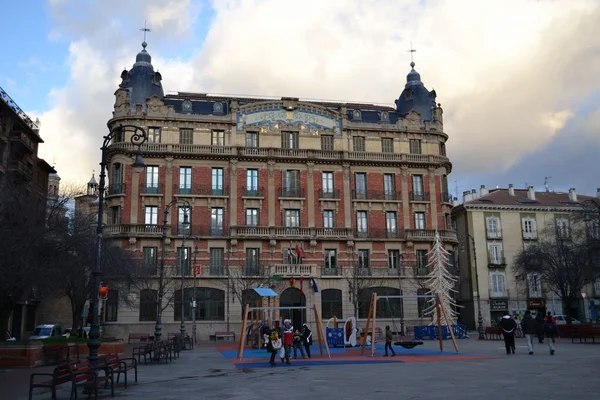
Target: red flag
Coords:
[(301, 284), (292, 282), (299, 250)]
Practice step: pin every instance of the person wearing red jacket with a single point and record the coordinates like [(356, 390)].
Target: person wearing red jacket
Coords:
[(288, 339)]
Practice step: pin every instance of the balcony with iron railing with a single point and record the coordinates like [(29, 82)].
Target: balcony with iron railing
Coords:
[(419, 196), (499, 294), (533, 235), (496, 261), (152, 188), (377, 195), (116, 189), (329, 194), (200, 190), (497, 234), (21, 169), (252, 191), (133, 230), (446, 198), (292, 192), (270, 152), (23, 141)]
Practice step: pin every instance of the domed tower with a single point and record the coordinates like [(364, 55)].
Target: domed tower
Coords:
[(92, 186), (141, 82), (415, 97)]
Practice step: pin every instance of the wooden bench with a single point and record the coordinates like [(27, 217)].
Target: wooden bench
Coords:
[(121, 366), (584, 332), (74, 372), (143, 351), (494, 332), (142, 337), (224, 335)]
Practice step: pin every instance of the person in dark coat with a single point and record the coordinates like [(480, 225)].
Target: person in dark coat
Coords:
[(539, 327), (551, 331), (306, 338), (508, 326), (528, 327), (389, 337)]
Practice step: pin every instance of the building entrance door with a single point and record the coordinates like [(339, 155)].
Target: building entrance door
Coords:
[(292, 297)]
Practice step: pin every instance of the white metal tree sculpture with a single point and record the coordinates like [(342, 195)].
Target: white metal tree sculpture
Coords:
[(441, 283)]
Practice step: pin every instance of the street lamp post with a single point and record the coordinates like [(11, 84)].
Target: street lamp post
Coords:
[(183, 264), (158, 325), (138, 138), (193, 303), (479, 316)]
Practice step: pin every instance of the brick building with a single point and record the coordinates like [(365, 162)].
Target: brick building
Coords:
[(360, 189), (24, 175)]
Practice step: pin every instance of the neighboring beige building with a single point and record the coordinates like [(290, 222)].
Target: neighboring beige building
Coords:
[(503, 222), (361, 187)]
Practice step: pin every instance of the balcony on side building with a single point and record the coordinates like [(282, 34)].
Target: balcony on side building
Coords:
[(115, 189), (496, 261), (152, 189), (377, 195), (141, 230), (499, 294), (22, 141), (294, 270), (446, 198), (21, 169), (329, 194), (291, 192)]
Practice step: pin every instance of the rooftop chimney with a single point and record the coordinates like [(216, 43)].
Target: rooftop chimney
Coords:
[(572, 195), (455, 202), (598, 193), (467, 197), (530, 193), (483, 191), (511, 189), (474, 194)]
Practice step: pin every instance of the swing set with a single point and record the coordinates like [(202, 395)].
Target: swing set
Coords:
[(270, 313), (439, 310)]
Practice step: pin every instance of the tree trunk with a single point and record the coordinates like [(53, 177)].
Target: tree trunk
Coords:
[(76, 310), (568, 303)]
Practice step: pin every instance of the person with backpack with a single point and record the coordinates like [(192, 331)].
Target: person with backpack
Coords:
[(508, 326), (551, 331), (274, 344)]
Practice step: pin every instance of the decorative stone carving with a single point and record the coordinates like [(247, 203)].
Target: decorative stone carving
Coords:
[(310, 166), (271, 168), (313, 245), (169, 162), (233, 164), (404, 170), (186, 106), (346, 168), (431, 171)]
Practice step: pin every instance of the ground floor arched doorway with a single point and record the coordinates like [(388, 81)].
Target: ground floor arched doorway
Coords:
[(292, 297)]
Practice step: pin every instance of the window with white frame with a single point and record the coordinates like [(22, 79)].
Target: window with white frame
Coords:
[(495, 253), (185, 180), (251, 216), (534, 285), (419, 220), (529, 228), (289, 140), (328, 184), (394, 259), (417, 185), (391, 223), (330, 258), (151, 179), (251, 139), (291, 218), (328, 219), (363, 259), (216, 221), (154, 135), (562, 228), (493, 227), (151, 215), (361, 222), (497, 284), (251, 182)]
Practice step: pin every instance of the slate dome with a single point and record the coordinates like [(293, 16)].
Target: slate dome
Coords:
[(415, 97), (141, 81)]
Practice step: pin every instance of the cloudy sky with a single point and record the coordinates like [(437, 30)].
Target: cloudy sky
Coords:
[(518, 80)]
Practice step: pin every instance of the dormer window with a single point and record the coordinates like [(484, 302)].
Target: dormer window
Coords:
[(186, 106), (384, 116), (356, 115), (408, 95), (218, 108)]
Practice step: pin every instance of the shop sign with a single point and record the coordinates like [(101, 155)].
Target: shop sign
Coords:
[(536, 303), (499, 305)]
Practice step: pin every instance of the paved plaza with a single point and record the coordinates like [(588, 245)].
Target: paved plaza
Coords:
[(482, 370)]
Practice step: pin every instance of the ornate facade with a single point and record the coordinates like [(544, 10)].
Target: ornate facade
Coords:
[(359, 189)]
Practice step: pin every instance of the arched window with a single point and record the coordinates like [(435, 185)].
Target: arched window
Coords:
[(331, 303), (210, 304), (423, 303), (111, 305), (386, 308), (148, 305)]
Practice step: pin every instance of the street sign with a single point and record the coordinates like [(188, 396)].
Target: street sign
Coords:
[(583, 295), (277, 277)]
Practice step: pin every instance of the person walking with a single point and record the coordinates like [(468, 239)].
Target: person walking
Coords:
[(551, 331), (288, 340), (508, 326), (273, 345), (539, 326), (298, 344), (528, 327), (388, 341), (306, 338)]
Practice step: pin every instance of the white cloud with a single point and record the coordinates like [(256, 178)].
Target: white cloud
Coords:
[(510, 75)]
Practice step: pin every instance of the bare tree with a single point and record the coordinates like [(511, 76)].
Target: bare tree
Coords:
[(360, 280), (565, 258)]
